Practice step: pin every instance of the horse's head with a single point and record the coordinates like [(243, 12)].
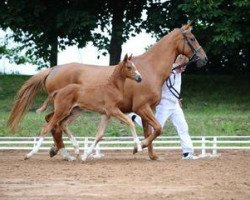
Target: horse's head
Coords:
[(190, 47), (129, 69)]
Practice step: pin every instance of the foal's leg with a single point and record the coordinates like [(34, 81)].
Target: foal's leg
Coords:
[(71, 138), (60, 113), (101, 129), (73, 115), (124, 118), (45, 105)]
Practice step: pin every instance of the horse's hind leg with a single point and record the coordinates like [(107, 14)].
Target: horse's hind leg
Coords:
[(57, 133), (58, 116), (47, 127)]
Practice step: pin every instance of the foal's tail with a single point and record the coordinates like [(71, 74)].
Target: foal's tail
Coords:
[(25, 98)]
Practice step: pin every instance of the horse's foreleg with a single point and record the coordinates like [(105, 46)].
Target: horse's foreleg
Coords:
[(125, 119), (148, 117), (101, 129), (147, 130)]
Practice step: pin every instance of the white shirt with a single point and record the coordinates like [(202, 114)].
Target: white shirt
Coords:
[(175, 81)]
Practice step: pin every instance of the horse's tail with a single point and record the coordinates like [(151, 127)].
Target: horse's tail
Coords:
[(25, 98)]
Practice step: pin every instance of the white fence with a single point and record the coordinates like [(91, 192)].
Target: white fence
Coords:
[(204, 143)]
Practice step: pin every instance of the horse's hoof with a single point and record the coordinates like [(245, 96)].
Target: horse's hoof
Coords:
[(38, 111), (77, 152), (71, 158), (135, 150), (26, 157), (154, 157), (53, 151), (83, 158), (139, 148)]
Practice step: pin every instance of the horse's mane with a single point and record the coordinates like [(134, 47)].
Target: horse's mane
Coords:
[(185, 28)]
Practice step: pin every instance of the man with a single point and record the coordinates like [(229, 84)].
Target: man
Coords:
[(169, 108)]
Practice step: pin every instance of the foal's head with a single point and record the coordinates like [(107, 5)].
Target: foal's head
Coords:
[(129, 69), (189, 46)]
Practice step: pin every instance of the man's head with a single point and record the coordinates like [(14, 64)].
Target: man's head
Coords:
[(181, 59)]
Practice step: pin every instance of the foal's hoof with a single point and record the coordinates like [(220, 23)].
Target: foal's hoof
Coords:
[(26, 157), (53, 151)]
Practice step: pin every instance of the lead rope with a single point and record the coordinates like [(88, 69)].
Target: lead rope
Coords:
[(171, 88)]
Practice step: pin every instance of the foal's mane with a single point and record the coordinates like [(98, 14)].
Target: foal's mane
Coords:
[(116, 72)]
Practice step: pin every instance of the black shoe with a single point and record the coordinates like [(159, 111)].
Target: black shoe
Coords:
[(133, 118)]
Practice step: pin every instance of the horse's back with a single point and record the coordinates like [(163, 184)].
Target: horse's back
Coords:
[(77, 73)]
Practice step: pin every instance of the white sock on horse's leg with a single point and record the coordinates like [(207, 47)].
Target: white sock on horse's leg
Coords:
[(35, 148), (65, 155), (75, 143), (89, 151), (138, 143)]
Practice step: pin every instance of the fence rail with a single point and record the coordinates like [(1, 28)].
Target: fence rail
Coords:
[(203, 143)]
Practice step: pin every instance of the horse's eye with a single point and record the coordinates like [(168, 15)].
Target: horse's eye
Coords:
[(129, 67), (192, 39)]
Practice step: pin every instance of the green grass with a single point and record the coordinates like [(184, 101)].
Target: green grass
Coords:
[(213, 105)]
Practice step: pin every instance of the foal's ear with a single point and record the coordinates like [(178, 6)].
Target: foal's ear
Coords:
[(125, 59), (130, 57)]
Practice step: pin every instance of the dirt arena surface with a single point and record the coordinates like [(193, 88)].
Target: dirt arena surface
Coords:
[(120, 175)]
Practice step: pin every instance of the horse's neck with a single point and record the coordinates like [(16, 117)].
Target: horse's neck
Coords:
[(161, 57), (117, 79)]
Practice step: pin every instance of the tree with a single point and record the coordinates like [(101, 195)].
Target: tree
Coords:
[(121, 20), (41, 26), (226, 29), (222, 28)]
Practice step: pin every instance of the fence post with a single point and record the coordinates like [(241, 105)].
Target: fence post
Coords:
[(203, 146), (34, 142), (214, 153), (86, 146)]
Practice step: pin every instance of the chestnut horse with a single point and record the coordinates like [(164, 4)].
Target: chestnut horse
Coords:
[(102, 97), (155, 66)]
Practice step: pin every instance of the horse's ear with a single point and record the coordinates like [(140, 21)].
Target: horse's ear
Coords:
[(187, 27), (125, 59), (130, 57)]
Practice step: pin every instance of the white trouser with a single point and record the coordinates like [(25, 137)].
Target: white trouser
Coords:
[(176, 116)]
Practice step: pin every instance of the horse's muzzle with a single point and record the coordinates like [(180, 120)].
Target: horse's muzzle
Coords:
[(138, 79), (201, 62)]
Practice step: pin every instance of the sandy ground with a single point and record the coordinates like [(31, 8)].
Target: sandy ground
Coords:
[(120, 175)]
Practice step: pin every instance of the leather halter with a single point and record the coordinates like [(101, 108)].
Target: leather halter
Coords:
[(194, 57)]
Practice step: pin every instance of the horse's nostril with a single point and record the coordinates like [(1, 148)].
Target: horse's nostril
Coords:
[(206, 59), (139, 79)]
